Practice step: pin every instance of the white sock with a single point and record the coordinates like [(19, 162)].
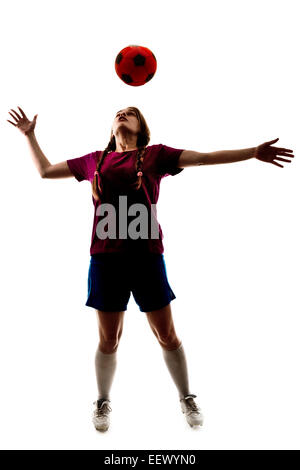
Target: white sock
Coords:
[(176, 363), (105, 365)]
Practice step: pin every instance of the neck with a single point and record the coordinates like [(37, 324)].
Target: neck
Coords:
[(124, 143)]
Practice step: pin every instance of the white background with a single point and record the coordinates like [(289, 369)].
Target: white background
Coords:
[(227, 78)]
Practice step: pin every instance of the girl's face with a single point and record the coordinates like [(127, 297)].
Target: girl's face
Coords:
[(126, 119)]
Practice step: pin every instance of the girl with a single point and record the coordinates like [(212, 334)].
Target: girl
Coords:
[(128, 174)]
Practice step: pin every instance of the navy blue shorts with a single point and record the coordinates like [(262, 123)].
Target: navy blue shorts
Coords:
[(113, 276)]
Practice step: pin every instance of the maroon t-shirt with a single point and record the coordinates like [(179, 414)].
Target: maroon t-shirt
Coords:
[(117, 172)]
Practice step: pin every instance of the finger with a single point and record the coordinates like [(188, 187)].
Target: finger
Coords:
[(283, 159), (286, 154), (13, 116), (22, 112), (11, 122), (274, 163), (19, 117), (283, 149), (272, 141)]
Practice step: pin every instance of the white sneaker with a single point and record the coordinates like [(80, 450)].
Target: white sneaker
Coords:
[(101, 414), (192, 412)]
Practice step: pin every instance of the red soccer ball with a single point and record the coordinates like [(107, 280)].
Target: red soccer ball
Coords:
[(135, 65)]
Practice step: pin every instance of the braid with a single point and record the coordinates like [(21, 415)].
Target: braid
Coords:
[(138, 166), (97, 188)]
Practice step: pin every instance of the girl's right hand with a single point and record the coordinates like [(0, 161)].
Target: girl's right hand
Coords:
[(22, 122)]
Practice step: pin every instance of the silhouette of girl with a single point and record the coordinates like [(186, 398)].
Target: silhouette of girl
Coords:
[(121, 264)]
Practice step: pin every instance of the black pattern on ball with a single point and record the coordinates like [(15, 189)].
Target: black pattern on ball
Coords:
[(126, 78), (139, 60), (119, 58), (149, 77)]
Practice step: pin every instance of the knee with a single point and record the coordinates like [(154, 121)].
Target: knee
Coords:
[(169, 341), (108, 347), (109, 344)]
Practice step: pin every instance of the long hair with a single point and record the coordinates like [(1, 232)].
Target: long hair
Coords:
[(143, 139)]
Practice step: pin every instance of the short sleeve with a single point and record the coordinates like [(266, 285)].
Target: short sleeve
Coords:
[(167, 160), (81, 166)]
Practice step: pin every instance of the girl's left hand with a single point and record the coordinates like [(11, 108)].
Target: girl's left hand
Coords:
[(266, 153)]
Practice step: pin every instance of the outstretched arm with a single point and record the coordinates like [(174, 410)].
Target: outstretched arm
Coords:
[(44, 167), (263, 152)]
